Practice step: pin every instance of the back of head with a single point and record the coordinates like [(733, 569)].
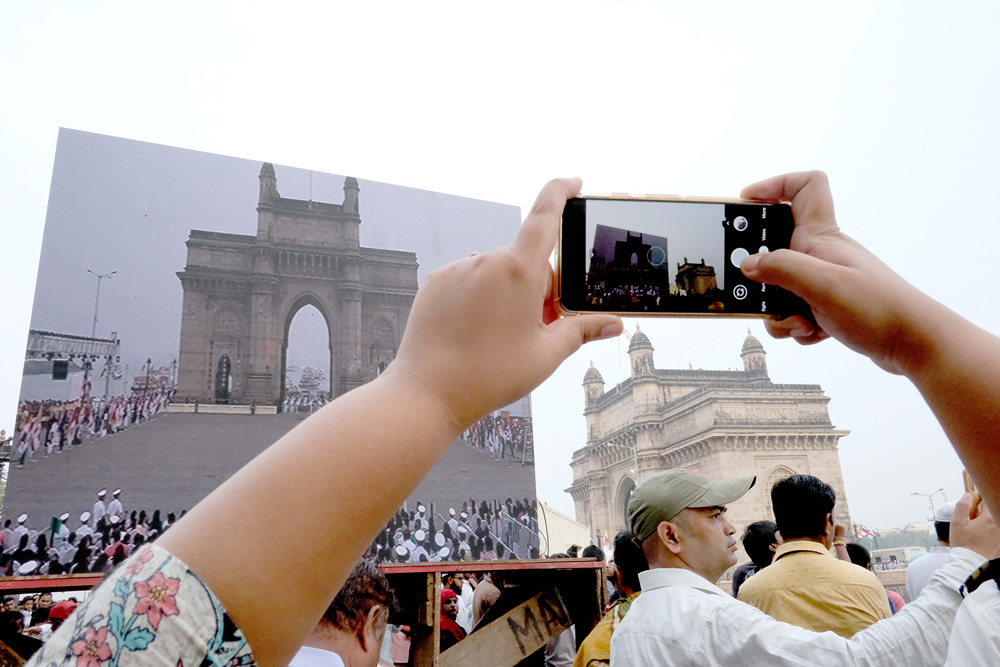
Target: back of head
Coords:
[(758, 539), (801, 505), (365, 587), (629, 559), (859, 555), (592, 551)]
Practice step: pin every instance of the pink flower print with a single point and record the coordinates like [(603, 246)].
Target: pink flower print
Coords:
[(156, 598), (93, 649), (140, 561)]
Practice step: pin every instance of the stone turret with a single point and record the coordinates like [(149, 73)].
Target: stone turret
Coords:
[(593, 384), (351, 193), (268, 184), (753, 355), (640, 354)]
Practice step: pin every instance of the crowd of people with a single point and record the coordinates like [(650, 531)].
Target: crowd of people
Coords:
[(483, 332), (51, 427), (499, 435), (485, 531), (304, 402), (96, 541)]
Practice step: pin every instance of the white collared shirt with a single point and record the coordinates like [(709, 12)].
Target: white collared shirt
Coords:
[(682, 619), (919, 572), (975, 639), (315, 657)]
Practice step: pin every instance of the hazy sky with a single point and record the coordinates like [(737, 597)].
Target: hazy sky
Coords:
[(895, 100)]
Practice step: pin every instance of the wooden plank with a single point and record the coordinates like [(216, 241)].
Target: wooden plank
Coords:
[(494, 565), (514, 636), (426, 639), (50, 582)]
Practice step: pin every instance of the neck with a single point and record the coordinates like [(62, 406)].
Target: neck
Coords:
[(944, 544), (343, 644), (822, 539), (668, 560)]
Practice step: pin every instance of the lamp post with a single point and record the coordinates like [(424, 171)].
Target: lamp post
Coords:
[(97, 299), (149, 367), (930, 498)]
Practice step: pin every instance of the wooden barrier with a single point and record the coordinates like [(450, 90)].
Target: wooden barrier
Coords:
[(539, 600)]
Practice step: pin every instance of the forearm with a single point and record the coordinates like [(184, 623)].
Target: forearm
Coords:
[(958, 374), (316, 498)]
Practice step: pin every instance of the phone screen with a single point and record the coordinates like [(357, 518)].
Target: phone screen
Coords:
[(670, 257)]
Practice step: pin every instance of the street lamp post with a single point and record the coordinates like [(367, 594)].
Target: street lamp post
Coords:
[(930, 498), (97, 299)]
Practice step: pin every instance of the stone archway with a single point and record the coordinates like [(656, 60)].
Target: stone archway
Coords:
[(300, 302), (625, 490), (302, 250)]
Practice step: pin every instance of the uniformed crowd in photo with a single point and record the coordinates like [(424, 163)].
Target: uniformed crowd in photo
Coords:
[(625, 295), (44, 428), (492, 530), (95, 541), (503, 436)]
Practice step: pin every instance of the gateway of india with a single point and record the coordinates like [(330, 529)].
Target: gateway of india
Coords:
[(718, 423)]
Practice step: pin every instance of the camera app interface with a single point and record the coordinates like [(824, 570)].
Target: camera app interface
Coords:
[(677, 257)]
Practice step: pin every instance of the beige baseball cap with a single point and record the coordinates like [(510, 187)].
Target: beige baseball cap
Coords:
[(662, 497)]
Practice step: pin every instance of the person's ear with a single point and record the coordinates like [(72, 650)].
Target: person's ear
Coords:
[(368, 631), (669, 536)]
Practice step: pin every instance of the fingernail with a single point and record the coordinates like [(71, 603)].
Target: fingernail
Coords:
[(749, 264), (610, 330)]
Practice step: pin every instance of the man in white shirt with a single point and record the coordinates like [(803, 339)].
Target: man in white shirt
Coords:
[(351, 631), (683, 618), (115, 506), (84, 528), (100, 509), (919, 571)]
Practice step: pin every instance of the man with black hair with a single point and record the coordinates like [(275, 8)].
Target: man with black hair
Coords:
[(919, 572), (629, 561), (760, 543), (806, 585), (351, 631)]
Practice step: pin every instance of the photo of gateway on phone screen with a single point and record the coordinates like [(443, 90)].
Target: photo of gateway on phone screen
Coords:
[(671, 257)]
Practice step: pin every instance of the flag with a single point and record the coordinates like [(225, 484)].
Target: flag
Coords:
[(862, 531), (627, 335)]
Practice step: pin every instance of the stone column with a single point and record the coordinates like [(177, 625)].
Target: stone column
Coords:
[(263, 355), (192, 361)]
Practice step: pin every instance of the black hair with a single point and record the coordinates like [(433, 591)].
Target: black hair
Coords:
[(592, 551), (629, 559), (859, 555), (943, 530), (801, 503), (757, 540)]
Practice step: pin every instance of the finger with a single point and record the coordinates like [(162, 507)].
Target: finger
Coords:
[(566, 335), (807, 191), (805, 276), (804, 330), (538, 233)]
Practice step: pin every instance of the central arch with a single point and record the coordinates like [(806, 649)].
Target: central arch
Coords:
[(625, 490), (302, 301)]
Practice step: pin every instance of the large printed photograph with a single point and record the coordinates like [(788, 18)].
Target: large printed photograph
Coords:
[(192, 308)]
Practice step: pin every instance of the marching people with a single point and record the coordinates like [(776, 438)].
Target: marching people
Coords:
[(806, 585), (494, 313)]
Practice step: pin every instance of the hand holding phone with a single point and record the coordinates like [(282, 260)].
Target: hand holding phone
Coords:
[(670, 256)]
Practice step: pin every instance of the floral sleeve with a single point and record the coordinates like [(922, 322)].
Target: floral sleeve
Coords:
[(152, 610)]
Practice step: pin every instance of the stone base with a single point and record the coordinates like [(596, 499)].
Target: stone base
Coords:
[(217, 409)]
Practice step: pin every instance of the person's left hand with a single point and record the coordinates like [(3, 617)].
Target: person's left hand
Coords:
[(484, 331)]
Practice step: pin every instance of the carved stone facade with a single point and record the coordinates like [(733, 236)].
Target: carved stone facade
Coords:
[(718, 423), (241, 293)]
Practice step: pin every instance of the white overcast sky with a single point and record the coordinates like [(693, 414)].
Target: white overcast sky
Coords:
[(897, 101)]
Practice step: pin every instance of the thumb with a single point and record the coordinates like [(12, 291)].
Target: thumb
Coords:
[(963, 509), (805, 276), (569, 333)]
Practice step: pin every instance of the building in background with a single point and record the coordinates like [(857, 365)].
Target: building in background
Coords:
[(719, 423), (558, 533)]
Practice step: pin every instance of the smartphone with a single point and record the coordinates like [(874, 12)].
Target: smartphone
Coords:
[(659, 255)]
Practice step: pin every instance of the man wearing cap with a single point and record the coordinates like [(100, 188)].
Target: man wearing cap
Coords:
[(59, 539), (806, 585), (84, 528), (919, 572), (100, 509), (115, 506), (683, 618), (21, 529)]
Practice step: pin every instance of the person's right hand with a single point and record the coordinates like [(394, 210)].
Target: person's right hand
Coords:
[(981, 534), (854, 297), (484, 330)]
